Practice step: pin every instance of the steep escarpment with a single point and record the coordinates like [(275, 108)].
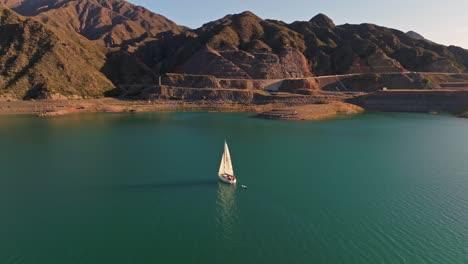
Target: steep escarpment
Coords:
[(35, 62), (110, 22)]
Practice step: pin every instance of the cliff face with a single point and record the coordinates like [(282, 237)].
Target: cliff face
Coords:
[(35, 62)]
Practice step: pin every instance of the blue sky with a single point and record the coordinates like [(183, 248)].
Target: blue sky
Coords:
[(445, 22)]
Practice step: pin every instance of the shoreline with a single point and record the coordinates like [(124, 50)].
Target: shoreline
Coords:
[(113, 105), (307, 108), (50, 108)]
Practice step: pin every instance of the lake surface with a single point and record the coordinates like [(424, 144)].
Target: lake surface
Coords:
[(123, 188)]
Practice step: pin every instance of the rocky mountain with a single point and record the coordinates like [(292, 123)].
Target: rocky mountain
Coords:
[(86, 47), (246, 46), (237, 46), (110, 22), (36, 62)]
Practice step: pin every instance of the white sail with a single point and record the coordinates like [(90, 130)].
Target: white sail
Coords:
[(226, 163), (221, 167)]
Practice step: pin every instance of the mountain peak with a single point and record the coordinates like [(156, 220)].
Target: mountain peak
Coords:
[(417, 36), (414, 35), (248, 13), (322, 20)]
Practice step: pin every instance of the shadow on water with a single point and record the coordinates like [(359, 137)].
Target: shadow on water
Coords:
[(163, 185)]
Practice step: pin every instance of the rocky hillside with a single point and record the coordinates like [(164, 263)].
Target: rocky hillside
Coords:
[(110, 22), (86, 47), (36, 62), (246, 46), (236, 46)]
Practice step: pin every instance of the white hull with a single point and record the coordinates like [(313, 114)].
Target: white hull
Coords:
[(223, 179)]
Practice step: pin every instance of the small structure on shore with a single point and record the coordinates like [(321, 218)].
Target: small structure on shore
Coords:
[(279, 114)]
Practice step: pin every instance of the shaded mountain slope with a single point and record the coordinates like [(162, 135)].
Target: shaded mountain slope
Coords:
[(370, 48)]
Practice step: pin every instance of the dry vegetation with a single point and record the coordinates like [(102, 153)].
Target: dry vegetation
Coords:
[(36, 62)]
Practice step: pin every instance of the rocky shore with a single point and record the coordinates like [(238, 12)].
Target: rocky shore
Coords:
[(311, 111), (45, 108), (309, 104), (274, 110)]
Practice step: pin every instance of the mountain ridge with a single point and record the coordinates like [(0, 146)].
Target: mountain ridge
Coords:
[(118, 43), (327, 48), (110, 22)]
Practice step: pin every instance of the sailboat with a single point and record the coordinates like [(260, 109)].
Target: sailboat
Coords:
[(226, 173)]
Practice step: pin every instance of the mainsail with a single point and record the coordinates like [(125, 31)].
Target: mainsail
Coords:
[(226, 163)]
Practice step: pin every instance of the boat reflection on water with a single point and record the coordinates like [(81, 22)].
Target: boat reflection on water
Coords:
[(226, 207)]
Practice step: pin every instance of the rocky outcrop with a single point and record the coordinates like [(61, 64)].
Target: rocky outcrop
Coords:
[(293, 85), (210, 62), (288, 64), (311, 111), (244, 65), (211, 82), (209, 95), (322, 21), (192, 81)]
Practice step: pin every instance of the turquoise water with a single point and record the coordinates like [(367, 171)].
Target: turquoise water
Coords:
[(118, 188)]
